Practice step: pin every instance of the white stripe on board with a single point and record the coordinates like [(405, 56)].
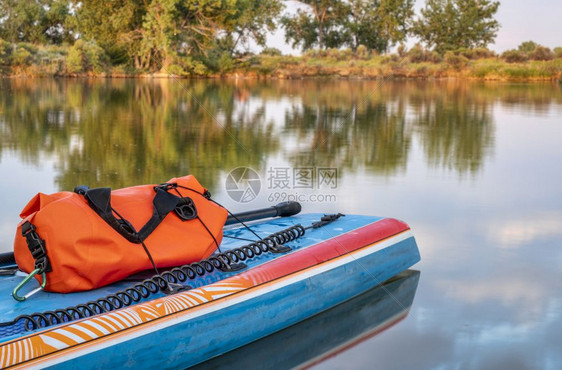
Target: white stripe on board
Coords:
[(117, 315), (53, 342), (131, 316), (150, 311), (25, 353), (221, 288), (70, 335), (192, 301), (180, 302), (97, 326), (135, 315), (112, 327), (8, 357), (17, 350), (197, 295), (3, 353), (220, 295), (185, 300), (107, 317), (84, 330)]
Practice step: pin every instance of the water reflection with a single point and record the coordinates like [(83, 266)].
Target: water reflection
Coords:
[(123, 132), (456, 129), (322, 336), (374, 136), (473, 167), (120, 133)]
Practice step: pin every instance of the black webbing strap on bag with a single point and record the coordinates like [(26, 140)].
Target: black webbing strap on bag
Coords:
[(100, 201), (36, 246)]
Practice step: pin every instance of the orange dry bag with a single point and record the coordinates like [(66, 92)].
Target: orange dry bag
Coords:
[(93, 237)]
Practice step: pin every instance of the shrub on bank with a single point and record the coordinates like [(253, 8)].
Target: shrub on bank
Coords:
[(455, 61), (23, 54), (486, 69), (274, 52), (528, 50), (5, 52), (86, 57), (518, 72), (534, 70), (515, 56), (74, 60), (402, 51), (175, 70), (362, 52), (418, 54), (191, 66), (527, 47), (51, 60), (390, 58), (477, 53), (541, 53), (336, 54), (225, 63)]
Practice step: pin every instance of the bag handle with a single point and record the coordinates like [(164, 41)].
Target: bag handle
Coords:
[(100, 201)]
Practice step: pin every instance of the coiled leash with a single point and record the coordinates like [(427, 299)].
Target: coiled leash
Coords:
[(169, 282)]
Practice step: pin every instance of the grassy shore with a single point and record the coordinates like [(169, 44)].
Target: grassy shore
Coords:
[(395, 67), (27, 60)]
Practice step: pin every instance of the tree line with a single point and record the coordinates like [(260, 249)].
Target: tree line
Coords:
[(197, 35)]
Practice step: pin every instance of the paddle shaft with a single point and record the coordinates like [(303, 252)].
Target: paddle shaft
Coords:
[(283, 209)]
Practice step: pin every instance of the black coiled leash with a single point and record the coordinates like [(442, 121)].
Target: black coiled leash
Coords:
[(170, 282)]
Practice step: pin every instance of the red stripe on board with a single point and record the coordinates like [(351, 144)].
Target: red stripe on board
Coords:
[(326, 250)]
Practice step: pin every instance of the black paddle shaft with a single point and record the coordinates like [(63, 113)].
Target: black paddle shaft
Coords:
[(283, 209), (7, 259)]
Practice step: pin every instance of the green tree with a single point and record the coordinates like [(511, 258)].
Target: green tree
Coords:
[(251, 20), (447, 25), (36, 21), (150, 33), (86, 57), (113, 25), (57, 22), (378, 24), (318, 24), (153, 34), (527, 46)]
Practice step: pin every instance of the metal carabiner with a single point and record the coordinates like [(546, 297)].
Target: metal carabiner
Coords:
[(19, 298)]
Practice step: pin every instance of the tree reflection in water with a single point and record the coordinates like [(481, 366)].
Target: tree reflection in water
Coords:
[(123, 132)]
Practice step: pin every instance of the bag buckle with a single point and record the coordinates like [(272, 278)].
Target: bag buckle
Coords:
[(36, 246), (166, 186)]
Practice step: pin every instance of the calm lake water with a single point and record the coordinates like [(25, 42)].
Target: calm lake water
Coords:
[(474, 168)]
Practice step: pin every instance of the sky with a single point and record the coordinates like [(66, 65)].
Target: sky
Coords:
[(521, 20)]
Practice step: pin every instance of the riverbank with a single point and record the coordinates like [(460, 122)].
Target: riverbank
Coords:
[(28, 61), (392, 66)]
